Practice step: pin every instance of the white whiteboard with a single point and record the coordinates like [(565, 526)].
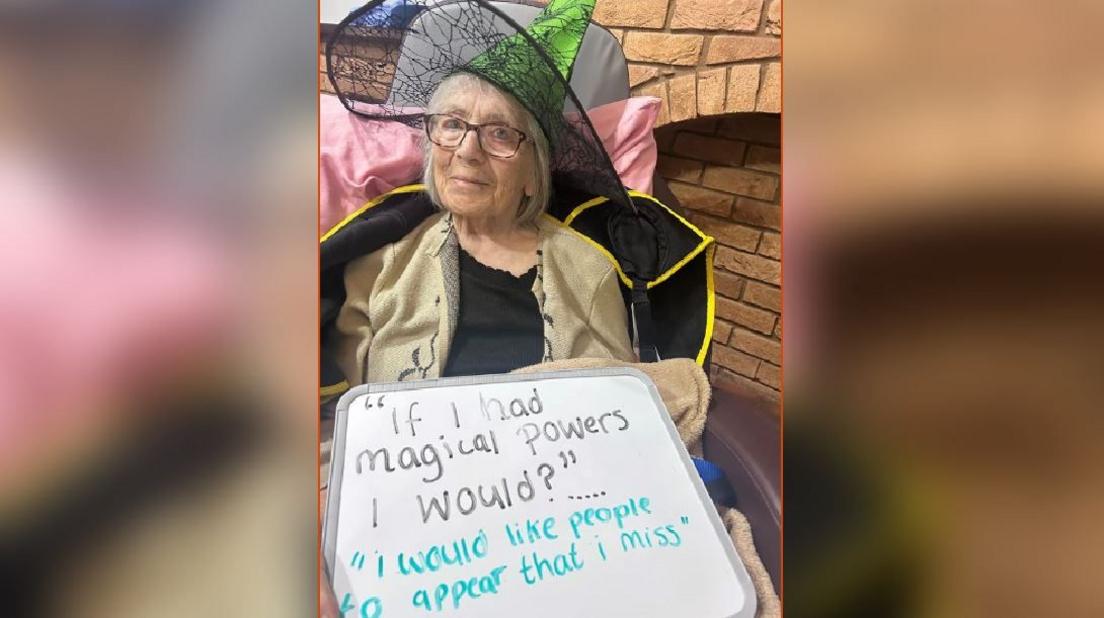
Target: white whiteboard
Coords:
[(568, 494)]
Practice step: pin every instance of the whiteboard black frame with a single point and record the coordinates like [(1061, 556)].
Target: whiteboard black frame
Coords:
[(337, 457)]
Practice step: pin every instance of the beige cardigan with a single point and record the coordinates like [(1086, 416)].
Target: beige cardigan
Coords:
[(402, 301)]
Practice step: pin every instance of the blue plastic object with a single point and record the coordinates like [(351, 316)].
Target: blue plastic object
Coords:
[(716, 484), (390, 14)]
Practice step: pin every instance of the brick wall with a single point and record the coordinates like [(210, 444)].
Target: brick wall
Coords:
[(715, 65), (700, 57), (725, 172)]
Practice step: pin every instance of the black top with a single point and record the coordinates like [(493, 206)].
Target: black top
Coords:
[(499, 326)]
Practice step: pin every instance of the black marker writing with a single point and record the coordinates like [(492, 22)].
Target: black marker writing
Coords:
[(579, 429), (466, 500)]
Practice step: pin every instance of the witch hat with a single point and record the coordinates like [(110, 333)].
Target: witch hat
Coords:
[(385, 59), (558, 33)]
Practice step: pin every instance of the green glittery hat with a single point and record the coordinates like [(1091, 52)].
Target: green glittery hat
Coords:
[(543, 54)]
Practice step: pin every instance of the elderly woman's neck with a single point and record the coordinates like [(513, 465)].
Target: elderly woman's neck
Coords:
[(502, 230), (504, 245)]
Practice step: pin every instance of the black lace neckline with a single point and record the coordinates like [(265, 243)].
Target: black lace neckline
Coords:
[(495, 276)]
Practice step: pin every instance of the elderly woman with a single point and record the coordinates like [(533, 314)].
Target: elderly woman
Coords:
[(472, 272), (490, 283), (465, 273)]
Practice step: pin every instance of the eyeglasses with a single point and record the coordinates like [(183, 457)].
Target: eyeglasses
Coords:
[(497, 140)]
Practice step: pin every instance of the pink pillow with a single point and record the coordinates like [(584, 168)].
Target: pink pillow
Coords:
[(362, 158), (625, 128)]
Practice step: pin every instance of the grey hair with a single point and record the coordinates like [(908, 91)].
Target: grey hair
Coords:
[(532, 207)]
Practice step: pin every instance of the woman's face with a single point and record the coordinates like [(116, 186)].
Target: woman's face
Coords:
[(471, 183)]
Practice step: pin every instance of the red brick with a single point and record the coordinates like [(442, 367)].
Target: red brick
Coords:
[(715, 149), (735, 361), (752, 266), (683, 95), (774, 18), (725, 379), (727, 284), (663, 48), (771, 245), (727, 233), (735, 15), (769, 374), (759, 128), (764, 158), (757, 345), (770, 90), (763, 295), (745, 315), (639, 74), (739, 181), (711, 91), (721, 331), (727, 48), (743, 88), (755, 212), (778, 329), (677, 168), (636, 14), (697, 198)]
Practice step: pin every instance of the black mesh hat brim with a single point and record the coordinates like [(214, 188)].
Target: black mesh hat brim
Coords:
[(385, 59)]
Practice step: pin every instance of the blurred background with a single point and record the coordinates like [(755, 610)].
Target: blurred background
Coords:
[(944, 308), (158, 356), (944, 350)]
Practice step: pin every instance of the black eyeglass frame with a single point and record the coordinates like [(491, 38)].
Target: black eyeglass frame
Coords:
[(468, 128)]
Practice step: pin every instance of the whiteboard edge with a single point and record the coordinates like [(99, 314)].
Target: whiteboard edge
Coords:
[(337, 457), (337, 470)]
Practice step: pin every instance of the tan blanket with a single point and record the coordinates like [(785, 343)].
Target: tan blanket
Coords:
[(685, 391)]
